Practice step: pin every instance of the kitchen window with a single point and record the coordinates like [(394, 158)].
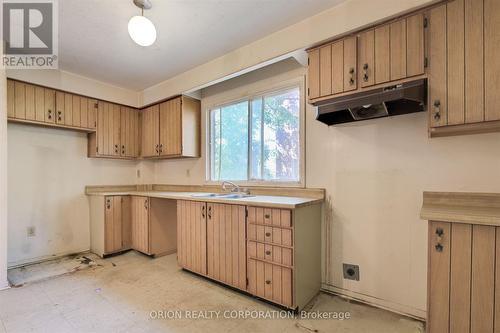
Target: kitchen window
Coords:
[(257, 139)]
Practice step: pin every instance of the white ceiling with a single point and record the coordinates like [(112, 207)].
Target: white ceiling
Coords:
[(94, 42)]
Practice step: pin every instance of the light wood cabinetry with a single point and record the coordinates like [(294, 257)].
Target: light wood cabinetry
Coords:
[(226, 244), (117, 133), (463, 261), (119, 223), (463, 67), (192, 235), (110, 224), (171, 129), (385, 54), (268, 252)]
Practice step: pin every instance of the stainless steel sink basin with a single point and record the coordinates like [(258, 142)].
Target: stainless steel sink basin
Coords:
[(204, 195)]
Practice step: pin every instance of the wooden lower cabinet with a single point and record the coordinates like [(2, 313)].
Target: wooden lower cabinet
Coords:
[(271, 253), (110, 224), (462, 279), (119, 223)]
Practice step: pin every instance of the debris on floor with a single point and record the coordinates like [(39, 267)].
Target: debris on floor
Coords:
[(52, 268)]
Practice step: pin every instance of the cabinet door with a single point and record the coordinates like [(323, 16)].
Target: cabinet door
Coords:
[(113, 224), (367, 58), (382, 54), (226, 244), (92, 107), (126, 226), (350, 64), (76, 111), (270, 281), (171, 127), (60, 107), (192, 235), (313, 74), (68, 110), (50, 105), (491, 63), (84, 118), (398, 49), (437, 67), (325, 72), (29, 103), (150, 131), (129, 132), (337, 67), (415, 45), (140, 224), (115, 123), (11, 99), (20, 100), (455, 62), (40, 104)]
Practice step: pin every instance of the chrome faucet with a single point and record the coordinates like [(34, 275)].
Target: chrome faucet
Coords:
[(234, 187)]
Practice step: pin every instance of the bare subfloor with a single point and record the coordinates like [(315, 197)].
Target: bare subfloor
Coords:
[(129, 293)]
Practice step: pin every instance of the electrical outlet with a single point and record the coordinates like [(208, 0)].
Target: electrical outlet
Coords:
[(31, 231), (351, 272)]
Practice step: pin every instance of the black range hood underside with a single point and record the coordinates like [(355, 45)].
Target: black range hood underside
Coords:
[(399, 99)]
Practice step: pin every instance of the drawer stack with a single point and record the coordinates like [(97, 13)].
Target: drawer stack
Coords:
[(270, 256)]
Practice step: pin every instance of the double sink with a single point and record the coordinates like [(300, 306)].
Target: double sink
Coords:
[(222, 195)]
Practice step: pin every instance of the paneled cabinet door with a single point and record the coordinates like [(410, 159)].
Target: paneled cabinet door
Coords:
[(129, 132), (171, 127), (366, 60), (226, 244), (113, 240), (150, 131), (192, 235), (140, 223)]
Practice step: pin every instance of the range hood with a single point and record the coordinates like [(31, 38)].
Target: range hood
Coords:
[(395, 100)]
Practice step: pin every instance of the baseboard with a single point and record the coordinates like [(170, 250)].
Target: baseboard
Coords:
[(376, 302), (4, 285), (37, 260)]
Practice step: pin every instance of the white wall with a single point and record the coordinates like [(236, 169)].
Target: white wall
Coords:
[(48, 172), (374, 173), (3, 179)]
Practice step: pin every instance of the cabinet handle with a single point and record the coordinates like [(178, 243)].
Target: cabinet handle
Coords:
[(439, 239), (365, 75), (203, 211), (352, 72), (50, 114), (437, 108), (268, 252), (268, 281), (157, 149), (145, 204), (268, 234), (108, 204), (267, 216), (210, 212), (161, 147)]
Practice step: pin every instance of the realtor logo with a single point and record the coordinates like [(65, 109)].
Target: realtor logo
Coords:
[(29, 30)]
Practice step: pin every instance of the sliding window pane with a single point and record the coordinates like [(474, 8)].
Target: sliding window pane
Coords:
[(215, 144), (230, 143), (281, 136)]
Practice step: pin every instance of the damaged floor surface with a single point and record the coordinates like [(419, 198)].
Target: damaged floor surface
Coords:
[(128, 293)]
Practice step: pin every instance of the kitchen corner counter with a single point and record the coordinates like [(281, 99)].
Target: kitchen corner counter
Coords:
[(286, 202), (462, 207)]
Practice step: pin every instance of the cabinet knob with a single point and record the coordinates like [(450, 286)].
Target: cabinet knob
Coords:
[(439, 247), (268, 234), (268, 281), (145, 204), (203, 211), (268, 252), (351, 71), (210, 212), (437, 113), (365, 75), (267, 216), (365, 67), (351, 79)]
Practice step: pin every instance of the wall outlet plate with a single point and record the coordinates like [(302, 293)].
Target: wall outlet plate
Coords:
[(351, 272)]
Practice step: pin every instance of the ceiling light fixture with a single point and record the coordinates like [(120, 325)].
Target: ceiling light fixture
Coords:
[(142, 30)]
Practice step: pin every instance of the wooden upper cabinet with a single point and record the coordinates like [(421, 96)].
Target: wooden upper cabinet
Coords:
[(150, 131), (383, 54), (464, 72), (129, 132), (171, 127), (366, 60)]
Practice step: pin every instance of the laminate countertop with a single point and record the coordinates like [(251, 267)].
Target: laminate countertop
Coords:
[(286, 202), (462, 207)]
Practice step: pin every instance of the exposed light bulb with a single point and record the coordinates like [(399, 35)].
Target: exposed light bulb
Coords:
[(142, 30)]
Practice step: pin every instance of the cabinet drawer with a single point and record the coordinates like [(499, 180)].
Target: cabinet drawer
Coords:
[(271, 282), (271, 253), (271, 235), (270, 216)]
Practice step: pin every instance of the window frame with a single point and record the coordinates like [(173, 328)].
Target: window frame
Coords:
[(274, 89)]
